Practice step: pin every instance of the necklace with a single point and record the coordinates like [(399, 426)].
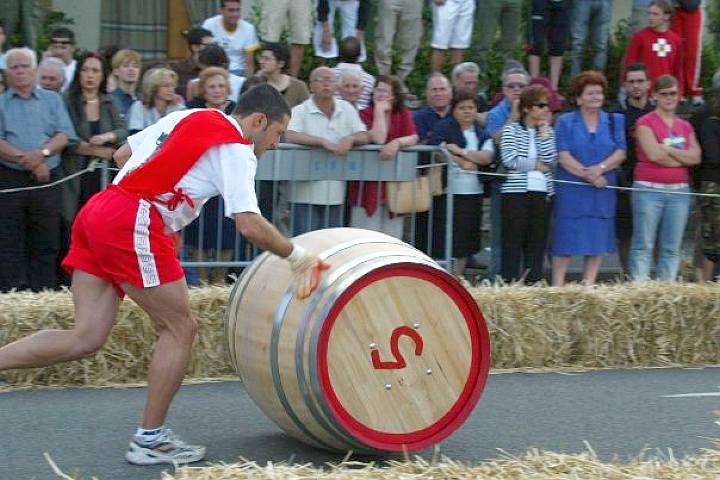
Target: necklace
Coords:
[(94, 100)]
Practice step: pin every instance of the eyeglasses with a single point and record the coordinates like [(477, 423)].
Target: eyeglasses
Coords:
[(516, 86), (672, 93), (541, 105)]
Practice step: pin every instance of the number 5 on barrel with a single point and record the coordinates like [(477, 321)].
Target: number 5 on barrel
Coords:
[(395, 349)]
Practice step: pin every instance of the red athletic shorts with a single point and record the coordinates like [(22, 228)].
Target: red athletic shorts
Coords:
[(121, 237)]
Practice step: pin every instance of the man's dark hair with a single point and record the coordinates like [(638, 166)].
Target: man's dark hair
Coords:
[(349, 51), (223, 2), (252, 81), (263, 99), (63, 32), (637, 67), (195, 35), (280, 51), (213, 56)]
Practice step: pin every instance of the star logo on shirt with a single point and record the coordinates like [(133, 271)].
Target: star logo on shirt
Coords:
[(661, 47)]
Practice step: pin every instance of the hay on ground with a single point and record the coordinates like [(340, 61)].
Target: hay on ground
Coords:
[(616, 325), (535, 464)]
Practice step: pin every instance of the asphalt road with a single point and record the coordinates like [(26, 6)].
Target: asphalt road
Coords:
[(619, 412)]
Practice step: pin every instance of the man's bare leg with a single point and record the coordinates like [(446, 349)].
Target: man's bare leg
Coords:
[(96, 307), (169, 307)]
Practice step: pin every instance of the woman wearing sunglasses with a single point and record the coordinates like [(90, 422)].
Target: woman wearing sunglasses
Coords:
[(666, 148), (591, 145), (528, 153)]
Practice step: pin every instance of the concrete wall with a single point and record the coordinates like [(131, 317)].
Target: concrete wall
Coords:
[(86, 14)]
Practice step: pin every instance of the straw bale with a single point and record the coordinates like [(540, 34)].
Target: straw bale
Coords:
[(614, 325), (535, 464)]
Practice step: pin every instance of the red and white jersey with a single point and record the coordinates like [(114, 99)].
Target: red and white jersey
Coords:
[(227, 169)]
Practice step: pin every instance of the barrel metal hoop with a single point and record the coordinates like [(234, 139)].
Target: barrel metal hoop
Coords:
[(275, 369), (324, 255), (371, 260)]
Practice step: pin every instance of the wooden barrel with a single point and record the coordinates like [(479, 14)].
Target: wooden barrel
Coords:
[(391, 353)]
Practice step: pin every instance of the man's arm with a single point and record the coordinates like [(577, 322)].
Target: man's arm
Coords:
[(304, 139), (262, 233), (122, 155), (10, 153), (306, 267)]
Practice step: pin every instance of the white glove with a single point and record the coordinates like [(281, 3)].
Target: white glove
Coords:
[(307, 270)]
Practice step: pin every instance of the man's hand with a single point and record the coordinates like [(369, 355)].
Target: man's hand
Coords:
[(389, 150), (344, 146), (307, 270), (30, 159), (600, 182), (101, 139), (41, 173)]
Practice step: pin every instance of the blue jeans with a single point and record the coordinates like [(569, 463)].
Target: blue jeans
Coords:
[(307, 217), (662, 216), (590, 16)]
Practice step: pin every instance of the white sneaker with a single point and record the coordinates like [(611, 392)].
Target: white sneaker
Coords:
[(167, 449)]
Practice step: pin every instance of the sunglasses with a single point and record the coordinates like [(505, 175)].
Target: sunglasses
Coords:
[(541, 105)]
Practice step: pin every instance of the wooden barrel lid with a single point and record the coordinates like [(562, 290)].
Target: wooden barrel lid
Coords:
[(402, 356)]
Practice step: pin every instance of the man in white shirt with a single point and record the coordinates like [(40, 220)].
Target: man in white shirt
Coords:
[(350, 49), (123, 243), (62, 46), (236, 36), (334, 125)]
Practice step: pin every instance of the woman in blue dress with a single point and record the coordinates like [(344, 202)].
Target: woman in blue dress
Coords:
[(591, 145)]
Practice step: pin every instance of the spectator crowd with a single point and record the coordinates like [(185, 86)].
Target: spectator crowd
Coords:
[(564, 175)]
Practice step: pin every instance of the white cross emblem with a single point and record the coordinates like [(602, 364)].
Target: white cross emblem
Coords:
[(662, 47)]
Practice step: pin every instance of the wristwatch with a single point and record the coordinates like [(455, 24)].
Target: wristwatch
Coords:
[(46, 152)]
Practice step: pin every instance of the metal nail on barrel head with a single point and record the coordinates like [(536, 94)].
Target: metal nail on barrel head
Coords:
[(388, 386)]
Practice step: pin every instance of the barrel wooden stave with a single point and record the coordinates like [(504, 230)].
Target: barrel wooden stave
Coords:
[(253, 321)]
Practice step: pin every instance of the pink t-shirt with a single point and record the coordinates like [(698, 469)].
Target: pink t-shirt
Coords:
[(676, 136)]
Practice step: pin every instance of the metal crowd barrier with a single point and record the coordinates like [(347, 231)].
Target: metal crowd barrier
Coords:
[(207, 245)]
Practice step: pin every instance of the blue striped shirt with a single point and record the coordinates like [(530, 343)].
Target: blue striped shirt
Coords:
[(28, 123)]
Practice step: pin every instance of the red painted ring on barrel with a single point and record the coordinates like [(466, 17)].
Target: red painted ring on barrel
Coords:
[(477, 376)]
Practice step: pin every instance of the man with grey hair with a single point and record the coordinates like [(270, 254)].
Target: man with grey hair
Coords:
[(514, 80), (51, 74), (465, 77), (350, 49), (350, 87), (331, 124), (34, 129)]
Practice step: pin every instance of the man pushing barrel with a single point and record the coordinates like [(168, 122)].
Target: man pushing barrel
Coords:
[(123, 243)]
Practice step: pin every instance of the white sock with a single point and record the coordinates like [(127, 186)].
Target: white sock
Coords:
[(150, 436)]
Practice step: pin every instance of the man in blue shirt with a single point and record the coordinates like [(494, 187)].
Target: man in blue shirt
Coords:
[(34, 129), (514, 80), (438, 94)]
